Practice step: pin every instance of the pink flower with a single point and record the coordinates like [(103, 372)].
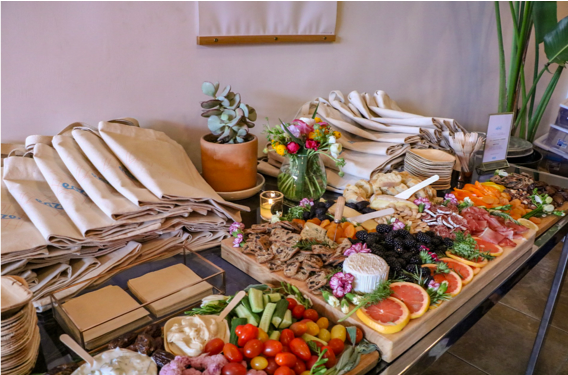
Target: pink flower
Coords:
[(292, 147), (236, 226), (303, 127), (452, 198), (433, 285), (425, 201), (306, 203), (397, 224), (293, 129), (357, 248), (237, 241), (424, 248), (310, 143), (341, 284)]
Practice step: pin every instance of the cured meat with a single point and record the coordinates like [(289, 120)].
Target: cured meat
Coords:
[(507, 242), (490, 235)]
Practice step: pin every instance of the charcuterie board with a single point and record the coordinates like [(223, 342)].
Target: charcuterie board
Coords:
[(393, 345)]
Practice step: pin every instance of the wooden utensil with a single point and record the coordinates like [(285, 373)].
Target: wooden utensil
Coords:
[(72, 344), (340, 205), (372, 215), (408, 192), (236, 299)]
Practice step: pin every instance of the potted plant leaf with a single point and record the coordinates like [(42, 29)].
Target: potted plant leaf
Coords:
[(229, 153), (516, 92)]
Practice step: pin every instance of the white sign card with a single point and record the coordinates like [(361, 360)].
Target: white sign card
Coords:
[(497, 141)]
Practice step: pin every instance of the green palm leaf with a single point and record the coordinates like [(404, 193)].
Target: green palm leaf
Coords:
[(556, 43)]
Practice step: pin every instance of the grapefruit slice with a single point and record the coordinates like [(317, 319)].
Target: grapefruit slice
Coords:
[(413, 296), (454, 281), (475, 270), (387, 316), (463, 270), (485, 246), (480, 263)]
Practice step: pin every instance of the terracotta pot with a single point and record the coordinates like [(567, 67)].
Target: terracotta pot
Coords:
[(229, 167)]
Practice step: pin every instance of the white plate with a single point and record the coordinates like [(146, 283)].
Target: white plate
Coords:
[(243, 194)]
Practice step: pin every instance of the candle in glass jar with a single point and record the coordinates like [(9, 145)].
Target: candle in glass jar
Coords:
[(270, 204)]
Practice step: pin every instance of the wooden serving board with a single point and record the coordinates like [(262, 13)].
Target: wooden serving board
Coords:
[(550, 220), (393, 345), (366, 364)]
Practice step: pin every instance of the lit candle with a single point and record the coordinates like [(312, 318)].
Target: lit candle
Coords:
[(270, 203)]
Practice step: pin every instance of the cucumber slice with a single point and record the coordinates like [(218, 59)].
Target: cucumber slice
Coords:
[(281, 308), (255, 299), (287, 321), (275, 335), (265, 299), (234, 324), (243, 312), (274, 297), (267, 316)]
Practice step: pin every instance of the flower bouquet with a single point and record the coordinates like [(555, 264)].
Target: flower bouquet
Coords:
[(303, 175)]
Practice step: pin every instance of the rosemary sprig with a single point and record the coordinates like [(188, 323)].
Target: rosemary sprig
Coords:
[(381, 292), (466, 247)]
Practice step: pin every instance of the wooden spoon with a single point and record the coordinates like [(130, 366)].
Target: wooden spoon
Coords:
[(72, 344), (234, 302)]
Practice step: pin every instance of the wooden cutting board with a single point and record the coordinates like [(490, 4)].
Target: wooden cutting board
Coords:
[(550, 220), (391, 346)]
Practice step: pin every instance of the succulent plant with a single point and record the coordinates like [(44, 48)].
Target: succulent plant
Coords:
[(227, 118)]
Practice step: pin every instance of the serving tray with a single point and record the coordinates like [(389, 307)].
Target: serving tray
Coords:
[(391, 346)]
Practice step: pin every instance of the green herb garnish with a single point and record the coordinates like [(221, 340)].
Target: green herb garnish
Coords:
[(307, 244), (466, 247), (212, 308), (381, 292), (289, 289), (319, 367)]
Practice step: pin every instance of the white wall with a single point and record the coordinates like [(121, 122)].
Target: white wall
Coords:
[(88, 61)]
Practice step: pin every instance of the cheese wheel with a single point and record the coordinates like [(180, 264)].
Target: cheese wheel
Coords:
[(368, 270)]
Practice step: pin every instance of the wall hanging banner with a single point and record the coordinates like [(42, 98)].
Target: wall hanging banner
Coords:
[(225, 22)]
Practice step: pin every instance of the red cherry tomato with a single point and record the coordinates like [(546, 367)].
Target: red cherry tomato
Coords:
[(249, 332), (239, 330), (272, 366), (336, 345), (291, 303), (299, 367), (299, 328), (358, 335), (253, 348), (298, 312), (285, 359), (330, 356), (286, 349), (311, 314), (286, 336), (272, 347), (318, 344), (313, 359), (234, 369), (300, 349), (284, 370), (232, 353), (214, 346)]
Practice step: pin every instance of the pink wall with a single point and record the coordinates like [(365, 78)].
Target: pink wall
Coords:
[(89, 61)]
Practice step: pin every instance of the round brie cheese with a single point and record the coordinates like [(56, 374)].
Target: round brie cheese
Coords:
[(368, 269)]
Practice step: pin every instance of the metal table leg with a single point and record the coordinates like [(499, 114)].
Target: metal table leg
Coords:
[(549, 308)]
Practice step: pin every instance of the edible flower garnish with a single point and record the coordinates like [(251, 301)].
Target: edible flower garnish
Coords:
[(306, 203), (450, 198), (238, 240), (330, 299), (467, 202), (357, 248), (276, 217), (423, 204), (437, 292), (381, 292), (397, 224), (341, 283), (236, 227)]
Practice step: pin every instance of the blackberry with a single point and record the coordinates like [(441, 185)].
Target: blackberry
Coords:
[(423, 237), (448, 242), (389, 240), (430, 233), (376, 248), (306, 215), (407, 256), (396, 267), (397, 242), (411, 268), (399, 250), (371, 238), (390, 254), (361, 235), (354, 240), (415, 260), (390, 260), (425, 272), (383, 228), (436, 242), (402, 262), (402, 233), (409, 243)]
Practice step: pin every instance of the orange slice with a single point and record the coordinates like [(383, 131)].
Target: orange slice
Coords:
[(387, 316), (486, 246), (413, 296), (480, 264), (463, 270), (454, 281)]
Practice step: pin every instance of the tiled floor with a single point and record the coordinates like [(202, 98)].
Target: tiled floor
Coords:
[(501, 342)]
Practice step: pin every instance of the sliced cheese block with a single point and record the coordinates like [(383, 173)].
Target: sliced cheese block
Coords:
[(347, 211), (383, 201), (368, 269)]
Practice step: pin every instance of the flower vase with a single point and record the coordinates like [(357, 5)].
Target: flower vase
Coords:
[(302, 176)]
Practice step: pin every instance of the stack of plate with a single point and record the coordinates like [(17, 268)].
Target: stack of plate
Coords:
[(424, 163), (20, 333)]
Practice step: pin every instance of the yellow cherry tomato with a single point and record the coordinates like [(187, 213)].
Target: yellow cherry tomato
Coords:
[(324, 335), (323, 322), (313, 328), (262, 336), (339, 332), (305, 373), (259, 363)]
